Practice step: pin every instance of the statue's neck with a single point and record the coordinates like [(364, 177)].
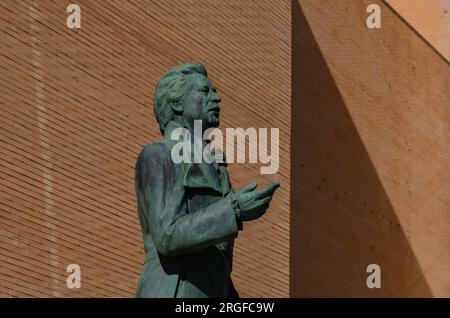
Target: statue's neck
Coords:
[(196, 132), (191, 126)]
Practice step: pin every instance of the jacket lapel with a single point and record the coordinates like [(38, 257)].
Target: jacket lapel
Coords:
[(202, 175)]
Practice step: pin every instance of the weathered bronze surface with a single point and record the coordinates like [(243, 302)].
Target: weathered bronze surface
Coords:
[(189, 212)]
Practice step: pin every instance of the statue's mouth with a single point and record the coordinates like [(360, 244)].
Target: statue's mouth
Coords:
[(215, 109)]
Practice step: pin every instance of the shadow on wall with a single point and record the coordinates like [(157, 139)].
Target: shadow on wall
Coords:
[(341, 217)]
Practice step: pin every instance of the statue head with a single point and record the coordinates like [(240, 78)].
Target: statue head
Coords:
[(184, 94)]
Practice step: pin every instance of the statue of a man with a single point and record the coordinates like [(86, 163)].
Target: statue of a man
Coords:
[(189, 212)]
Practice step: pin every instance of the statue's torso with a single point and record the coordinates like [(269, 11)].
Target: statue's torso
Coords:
[(205, 273)]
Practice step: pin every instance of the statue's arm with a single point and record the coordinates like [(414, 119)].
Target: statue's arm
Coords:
[(174, 231)]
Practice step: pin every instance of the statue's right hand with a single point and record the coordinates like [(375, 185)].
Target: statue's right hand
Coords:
[(254, 203)]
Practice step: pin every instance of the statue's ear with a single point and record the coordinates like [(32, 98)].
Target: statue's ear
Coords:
[(177, 107)]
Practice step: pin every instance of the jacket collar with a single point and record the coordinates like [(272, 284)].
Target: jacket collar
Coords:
[(198, 175)]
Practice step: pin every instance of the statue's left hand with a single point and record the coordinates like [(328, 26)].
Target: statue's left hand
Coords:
[(254, 203)]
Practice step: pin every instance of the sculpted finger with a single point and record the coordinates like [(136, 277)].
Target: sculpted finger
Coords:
[(250, 187), (269, 190), (265, 201)]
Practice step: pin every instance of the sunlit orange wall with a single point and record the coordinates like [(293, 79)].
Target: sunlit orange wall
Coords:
[(364, 131), (370, 155), (76, 109), (430, 18)]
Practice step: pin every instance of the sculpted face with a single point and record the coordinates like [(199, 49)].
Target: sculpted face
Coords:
[(201, 102)]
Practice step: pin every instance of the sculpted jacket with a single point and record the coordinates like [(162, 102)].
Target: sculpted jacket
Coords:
[(188, 221)]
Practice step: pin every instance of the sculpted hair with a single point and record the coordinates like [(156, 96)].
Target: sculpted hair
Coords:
[(171, 89)]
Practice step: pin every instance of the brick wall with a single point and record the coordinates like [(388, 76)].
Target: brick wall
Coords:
[(370, 183), (76, 109), (370, 164)]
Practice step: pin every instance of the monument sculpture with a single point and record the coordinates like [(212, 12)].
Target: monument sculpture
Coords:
[(189, 212)]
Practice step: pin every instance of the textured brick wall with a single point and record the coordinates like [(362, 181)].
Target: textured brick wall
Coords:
[(76, 108), (370, 183), (370, 156)]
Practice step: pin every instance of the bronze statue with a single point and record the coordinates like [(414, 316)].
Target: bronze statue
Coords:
[(189, 212)]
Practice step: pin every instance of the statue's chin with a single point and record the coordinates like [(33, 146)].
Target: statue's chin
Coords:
[(213, 122)]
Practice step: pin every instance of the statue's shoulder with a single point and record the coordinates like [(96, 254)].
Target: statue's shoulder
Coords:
[(156, 150)]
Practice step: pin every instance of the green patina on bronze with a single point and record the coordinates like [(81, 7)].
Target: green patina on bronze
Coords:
[(189, 212)]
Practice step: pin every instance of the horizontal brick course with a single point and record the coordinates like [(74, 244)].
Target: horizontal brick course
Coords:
[(76, 110)]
